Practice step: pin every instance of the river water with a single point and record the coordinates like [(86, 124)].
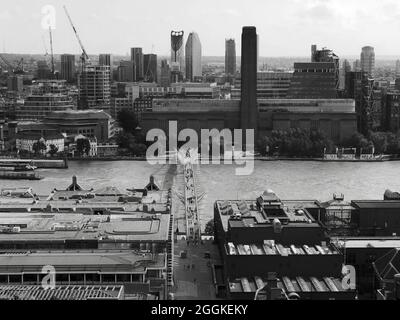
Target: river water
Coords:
[(289, 179)]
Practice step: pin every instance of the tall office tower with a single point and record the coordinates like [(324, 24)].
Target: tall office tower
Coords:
[(357, 65), (94, 87), (193, 57), (137, 58), (43, 70), (177, 56), (230, 57), (248, 104), (126, 71), (150, 67), (165, 77), (68, 70), (346, 65), (368, 60), (105, 59)]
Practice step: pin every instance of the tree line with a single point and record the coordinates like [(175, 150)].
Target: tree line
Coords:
[(298, 142)]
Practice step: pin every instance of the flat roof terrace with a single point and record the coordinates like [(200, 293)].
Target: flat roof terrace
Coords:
[(48, 227), (105, 198), (86, 262), (271, 248), (71, 292), (245, 213)]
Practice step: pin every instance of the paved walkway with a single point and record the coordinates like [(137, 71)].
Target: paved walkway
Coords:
[(193, 274)]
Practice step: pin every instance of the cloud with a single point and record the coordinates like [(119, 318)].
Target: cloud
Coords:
[(233, 12)]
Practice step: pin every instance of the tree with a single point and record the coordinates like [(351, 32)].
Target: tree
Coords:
[(380, 141), (53, 150), (128, 121), (262, 146), (39, 146), (83, 146), (357, 140), (138, 149), (295, 142), (209, 229), (124, 140), (393, 144)]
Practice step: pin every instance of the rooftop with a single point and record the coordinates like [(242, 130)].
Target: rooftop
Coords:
[(289, 285), (74, 114), (65, 262), (36, 292), (128, 227), (271, 248), (263, 211), (375, 204)]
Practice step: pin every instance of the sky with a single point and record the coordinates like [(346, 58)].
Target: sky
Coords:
[(285, 27)]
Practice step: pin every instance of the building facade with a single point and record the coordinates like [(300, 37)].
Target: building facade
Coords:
[(313, 80), (193, 57), (230, 57), (25, 141), (150, 67), (90, 123), (68, 71), (105, 59), (126, 71), (335, 117), (94, 87), (367, 60), (249, 108), (137, 59), (177, 56), (165, 76), (270, 85)]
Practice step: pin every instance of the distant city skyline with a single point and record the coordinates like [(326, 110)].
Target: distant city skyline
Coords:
[(285, 27)]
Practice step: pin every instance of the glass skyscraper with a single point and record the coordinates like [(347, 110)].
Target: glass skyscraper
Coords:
[(368, 60), (193, 57)]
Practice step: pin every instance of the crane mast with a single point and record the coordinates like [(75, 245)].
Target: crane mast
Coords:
[(52, 55)]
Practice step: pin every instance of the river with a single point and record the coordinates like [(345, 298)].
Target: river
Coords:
[(289, 179)]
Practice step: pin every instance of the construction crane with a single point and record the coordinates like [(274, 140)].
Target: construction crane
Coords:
[(84, 57), (51, 51), (17, 68), (8, 64), (45, 47)]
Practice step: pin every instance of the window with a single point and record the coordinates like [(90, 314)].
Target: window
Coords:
[(30, 278), (76, 277), (15, 278), (123, 278), (92, 278), (108, 277), (62, 277), (3, 278)]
